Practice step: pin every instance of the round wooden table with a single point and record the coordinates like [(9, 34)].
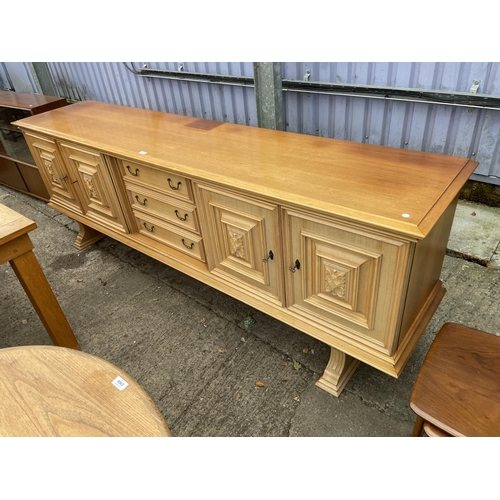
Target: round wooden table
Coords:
[(56, 391)]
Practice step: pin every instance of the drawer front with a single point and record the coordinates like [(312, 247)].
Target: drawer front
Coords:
[(163, 207), (189, 243), (346, 277), (157, 179)]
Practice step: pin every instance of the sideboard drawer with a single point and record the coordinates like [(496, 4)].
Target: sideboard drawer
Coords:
[(189, 243), (158, 179), (163, 207)]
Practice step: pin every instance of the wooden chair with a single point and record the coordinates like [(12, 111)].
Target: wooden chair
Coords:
[(457, 391), (57, 391)]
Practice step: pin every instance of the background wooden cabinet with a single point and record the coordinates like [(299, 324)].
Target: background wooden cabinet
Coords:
[(17, 166)]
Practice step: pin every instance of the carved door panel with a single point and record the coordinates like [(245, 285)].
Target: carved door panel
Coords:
[(51, 167), (243, 242), (345, 277), (94, 185)]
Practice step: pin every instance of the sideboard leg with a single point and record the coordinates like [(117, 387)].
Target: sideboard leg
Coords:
[(339, 370), (86, 236)]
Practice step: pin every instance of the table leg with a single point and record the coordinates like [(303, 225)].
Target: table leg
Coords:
[(337, 373), (418, 429), (36, 286)]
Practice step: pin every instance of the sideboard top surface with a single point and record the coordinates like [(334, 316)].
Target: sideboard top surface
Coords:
[(365, 183)]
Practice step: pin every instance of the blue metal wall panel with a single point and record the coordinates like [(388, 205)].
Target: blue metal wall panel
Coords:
[(21, 77), (113, 82), (449, 76), (451, 130), (4, 80)]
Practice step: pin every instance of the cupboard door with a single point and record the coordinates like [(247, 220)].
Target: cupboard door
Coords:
[(95, 186), (243, 242), (346, 278), (51, 167)]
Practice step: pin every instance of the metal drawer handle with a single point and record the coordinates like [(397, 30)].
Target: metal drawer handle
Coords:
[(132, 173), (150, 230), (181, 218), (173, 187), (141, 202), (270, 256), (189, 247), (295, 267)]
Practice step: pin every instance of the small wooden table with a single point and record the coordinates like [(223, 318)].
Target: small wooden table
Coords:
[(55, 391), (16, 248)]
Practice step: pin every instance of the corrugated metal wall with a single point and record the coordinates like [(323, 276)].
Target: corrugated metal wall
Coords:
[(458, 131), (4, 81), (19, 76), (113, 82), (451, 76), (468, 132)]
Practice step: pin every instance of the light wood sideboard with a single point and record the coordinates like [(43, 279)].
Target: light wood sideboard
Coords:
[(341, 240)]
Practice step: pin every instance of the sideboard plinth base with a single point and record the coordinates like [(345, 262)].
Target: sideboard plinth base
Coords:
[(338, 372), (86, 237)]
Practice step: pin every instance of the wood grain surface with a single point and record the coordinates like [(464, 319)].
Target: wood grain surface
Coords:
[(458, 387), (13, 224), (55, 391)]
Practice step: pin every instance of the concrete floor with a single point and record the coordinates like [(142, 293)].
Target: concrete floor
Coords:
[(194, 351)]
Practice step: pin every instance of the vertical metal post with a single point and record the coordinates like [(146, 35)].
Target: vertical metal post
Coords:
[(7, 85), (43, 78), (268, 95)]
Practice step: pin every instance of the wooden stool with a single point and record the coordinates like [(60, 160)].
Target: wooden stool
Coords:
[(57, 391), (457, 391)]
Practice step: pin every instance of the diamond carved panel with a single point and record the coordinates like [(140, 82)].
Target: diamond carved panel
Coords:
[(336, 281), (49, 167), (91, 189), (240, 243), (343, 279), (236, 240), (91, 183), (92, 180), (239, 233)]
